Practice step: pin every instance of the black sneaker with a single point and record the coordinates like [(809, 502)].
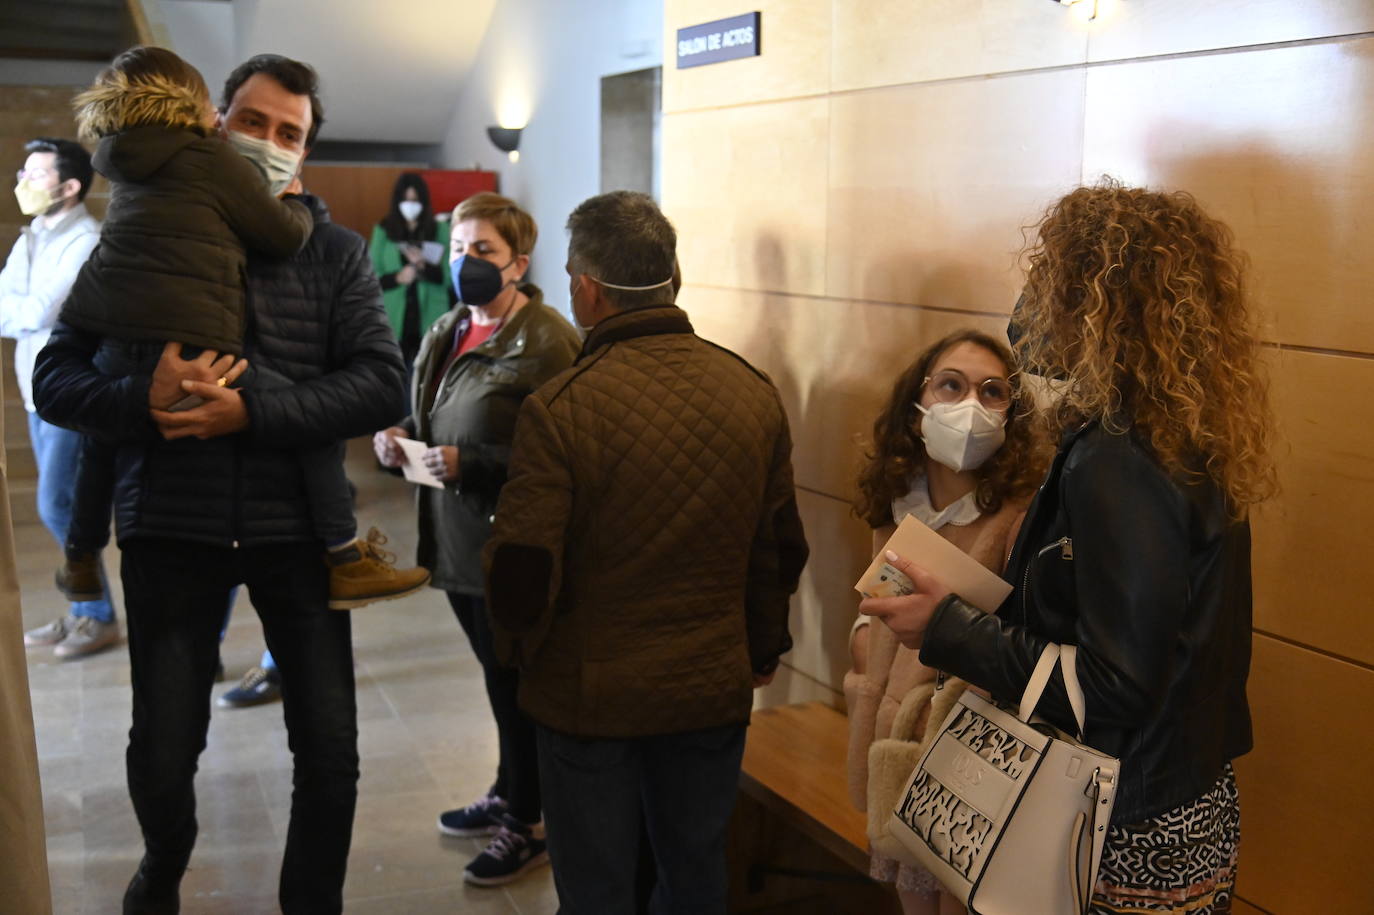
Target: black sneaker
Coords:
[(151, 894), (513, 851), (259, 685), (480, 818)]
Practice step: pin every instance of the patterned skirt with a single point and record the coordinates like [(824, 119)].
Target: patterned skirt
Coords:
[(1182, 862)]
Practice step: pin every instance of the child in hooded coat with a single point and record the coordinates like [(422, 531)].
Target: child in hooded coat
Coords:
[(170, 265)]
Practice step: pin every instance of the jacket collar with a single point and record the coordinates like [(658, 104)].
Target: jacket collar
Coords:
[(69, 219), (509, 340), (639, 322)]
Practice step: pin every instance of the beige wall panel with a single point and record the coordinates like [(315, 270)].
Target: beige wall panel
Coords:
[(745, 188), (887, 42), (1141, 28), (794, 36), (826, 602), (792, 687), (1306, 797), (1312, 572), (833, 361), (930, 185), (1274, 142)]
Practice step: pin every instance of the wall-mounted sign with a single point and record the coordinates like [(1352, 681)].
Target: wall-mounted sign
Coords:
[(724, 39)]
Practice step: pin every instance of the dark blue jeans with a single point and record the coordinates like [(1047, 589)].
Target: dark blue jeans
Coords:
[(595, 792), (175, 594)]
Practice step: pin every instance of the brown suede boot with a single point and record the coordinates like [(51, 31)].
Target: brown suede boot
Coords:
[(79, 577), (362, 573)]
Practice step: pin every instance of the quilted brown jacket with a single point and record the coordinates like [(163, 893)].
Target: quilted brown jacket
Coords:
[(648, 539)]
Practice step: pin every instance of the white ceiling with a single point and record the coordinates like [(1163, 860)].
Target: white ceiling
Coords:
[(389, 72)]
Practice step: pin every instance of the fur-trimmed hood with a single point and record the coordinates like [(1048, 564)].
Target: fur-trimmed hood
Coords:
[(115, 104)]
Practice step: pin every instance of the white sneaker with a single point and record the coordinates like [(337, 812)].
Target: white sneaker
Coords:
[(50, 633), (87, 636)]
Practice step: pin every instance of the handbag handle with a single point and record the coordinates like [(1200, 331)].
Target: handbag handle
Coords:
[(1066, 656)]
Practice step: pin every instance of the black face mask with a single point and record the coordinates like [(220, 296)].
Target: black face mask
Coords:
[(1014, 334), (476, 281)]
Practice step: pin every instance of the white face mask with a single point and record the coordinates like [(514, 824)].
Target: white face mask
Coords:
[(962, 435), (411, 209), (278, 166)]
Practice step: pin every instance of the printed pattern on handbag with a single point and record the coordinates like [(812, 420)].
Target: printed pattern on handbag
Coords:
[(948, 825), (1008, 753)]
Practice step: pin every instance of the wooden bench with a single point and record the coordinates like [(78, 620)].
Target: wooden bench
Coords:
[(794, 765)]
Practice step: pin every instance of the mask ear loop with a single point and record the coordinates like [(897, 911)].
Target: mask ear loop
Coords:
[(667, 282)]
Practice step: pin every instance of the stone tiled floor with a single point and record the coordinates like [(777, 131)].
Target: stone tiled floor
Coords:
[(425, 736)]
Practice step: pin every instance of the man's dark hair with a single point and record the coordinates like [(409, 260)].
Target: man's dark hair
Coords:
[(624, 238), (295, 77), (72, 161)]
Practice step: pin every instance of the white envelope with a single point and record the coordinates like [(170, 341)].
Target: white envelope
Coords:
[(433, 251), (965, 576), (414, 469)]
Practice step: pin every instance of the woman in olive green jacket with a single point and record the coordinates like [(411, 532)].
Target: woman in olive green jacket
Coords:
[(474, 369)]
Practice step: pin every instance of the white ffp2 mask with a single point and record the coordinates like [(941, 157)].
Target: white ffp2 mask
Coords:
[(962, 435)]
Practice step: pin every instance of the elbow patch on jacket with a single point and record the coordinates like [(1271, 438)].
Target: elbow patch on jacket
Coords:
[(518, 585), (792, 552)]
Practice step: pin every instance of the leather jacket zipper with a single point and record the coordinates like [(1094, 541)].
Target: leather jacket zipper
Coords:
[(1065, 547)]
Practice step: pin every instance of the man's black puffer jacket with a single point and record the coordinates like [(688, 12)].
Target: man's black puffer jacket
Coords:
[(1150, 578), (314, 320)]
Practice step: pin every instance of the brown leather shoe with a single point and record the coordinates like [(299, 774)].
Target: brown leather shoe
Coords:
[(363, 573), (79, 577)]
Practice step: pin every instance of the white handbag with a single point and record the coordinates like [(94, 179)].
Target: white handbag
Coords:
[(1009, 813)]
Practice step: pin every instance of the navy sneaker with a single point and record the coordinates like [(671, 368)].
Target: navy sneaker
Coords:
[(511, 853), (259, 685), (480, 818)]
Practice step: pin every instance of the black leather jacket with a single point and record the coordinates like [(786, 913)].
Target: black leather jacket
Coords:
[(1150, 578), (316, 326)]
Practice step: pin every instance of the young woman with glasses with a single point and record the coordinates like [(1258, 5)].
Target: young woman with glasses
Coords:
[(954, 448)]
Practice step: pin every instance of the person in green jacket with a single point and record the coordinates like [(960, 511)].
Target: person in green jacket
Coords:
[(409, 249)]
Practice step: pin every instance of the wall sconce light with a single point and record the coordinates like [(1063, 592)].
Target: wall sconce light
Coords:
[(506, 139), (1084, 9)]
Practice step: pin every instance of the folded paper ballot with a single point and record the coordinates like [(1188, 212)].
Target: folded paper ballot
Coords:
[(414, 468), (433, 251), (963, 574)]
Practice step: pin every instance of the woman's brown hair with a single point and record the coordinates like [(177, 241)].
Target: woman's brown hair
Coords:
[(896, 454), (142, 86), (505, 215), (1138, 299)]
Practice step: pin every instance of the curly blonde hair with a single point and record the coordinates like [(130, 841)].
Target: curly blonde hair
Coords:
[(896, 453), (1137, 298)]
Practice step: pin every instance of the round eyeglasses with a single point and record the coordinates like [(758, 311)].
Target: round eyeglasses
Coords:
[(952, 386), (34, 174)]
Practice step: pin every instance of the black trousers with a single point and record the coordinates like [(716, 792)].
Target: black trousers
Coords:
[(517, 773), (175, 594)]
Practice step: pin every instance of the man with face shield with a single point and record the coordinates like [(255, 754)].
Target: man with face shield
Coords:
[(35, 281)]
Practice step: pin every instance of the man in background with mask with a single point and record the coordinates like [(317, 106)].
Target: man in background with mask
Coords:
[(213, 497), (33, 285), (639, 570)]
